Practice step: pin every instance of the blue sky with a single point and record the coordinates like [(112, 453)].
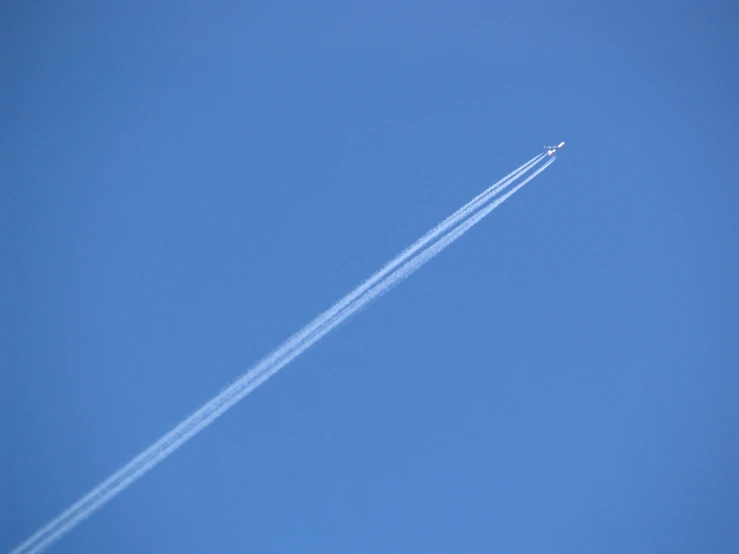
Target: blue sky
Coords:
[(191, 183)]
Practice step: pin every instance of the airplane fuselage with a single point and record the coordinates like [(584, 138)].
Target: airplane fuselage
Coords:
[(552, 149)]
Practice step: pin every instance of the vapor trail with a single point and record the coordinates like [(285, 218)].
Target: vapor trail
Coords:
[(287, 346), (386, 285), (298, 343), (454, 219), (394, 279)]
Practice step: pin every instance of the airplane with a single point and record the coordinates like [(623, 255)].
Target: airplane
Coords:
[(552, 149)]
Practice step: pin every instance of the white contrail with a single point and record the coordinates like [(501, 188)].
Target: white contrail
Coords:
[(193, 424), (407, 269), (414, 264), (399, 275), (454, 219), (143, 458)]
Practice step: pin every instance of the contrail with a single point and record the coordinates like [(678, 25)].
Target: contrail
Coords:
[(144, 457), (301, 341), (414, 264), (454, 219), (386, 285)]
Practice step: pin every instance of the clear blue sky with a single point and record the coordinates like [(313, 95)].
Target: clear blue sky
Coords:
[(189, 183)]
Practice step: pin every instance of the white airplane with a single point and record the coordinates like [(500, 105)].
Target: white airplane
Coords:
[(552, 149)]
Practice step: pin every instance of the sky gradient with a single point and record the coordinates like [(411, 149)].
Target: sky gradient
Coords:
[(189, 184)]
